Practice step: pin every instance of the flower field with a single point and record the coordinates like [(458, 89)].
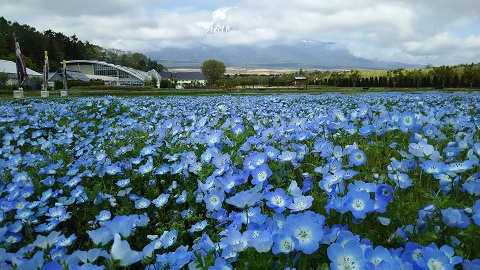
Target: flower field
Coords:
[(329, 181)]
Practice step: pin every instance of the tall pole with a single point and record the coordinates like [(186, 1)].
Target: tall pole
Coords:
[(17, 64), (64, 92), (21, 70), (45, 72)]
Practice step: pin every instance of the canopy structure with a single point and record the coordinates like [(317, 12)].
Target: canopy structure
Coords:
[(122, 75)]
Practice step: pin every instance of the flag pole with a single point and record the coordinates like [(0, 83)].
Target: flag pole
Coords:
[(18, 64), (44, 92), (64, 92)]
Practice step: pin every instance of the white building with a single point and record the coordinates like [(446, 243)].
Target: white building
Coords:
[(113, 74), (10, 68)]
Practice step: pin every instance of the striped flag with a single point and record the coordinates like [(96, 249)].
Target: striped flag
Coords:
[(21, 68), (45, 72)]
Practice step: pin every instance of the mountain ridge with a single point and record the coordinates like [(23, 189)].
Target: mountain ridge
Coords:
[(306, 54)]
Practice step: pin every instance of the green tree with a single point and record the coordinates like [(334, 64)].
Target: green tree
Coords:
[(354, 76), (416, 75), (212, 70), (471, 73), (395, 76), (336, 77), (442, 73)]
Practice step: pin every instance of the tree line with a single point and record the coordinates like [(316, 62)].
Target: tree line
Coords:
[(464, 76), (60, 47)]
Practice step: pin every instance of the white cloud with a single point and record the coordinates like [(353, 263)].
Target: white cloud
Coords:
[(437, 32)]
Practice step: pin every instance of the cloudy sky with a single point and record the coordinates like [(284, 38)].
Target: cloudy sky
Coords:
[(437, 32)]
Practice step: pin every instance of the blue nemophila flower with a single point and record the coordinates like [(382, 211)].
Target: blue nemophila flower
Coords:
[(48, 241), (244, 198), (182, 197), (300, 203), (401, 179), (259, 237), (147, 167), (433, 258), (86, 257), (161, 200), (346, 256), (272, 152), (100, 236), (278, 200), (142, 203), (121, 224), (214, 200), (260, 174), (357, 157), (65, 241), (236, 240), (476, 213), (284, 242), (198, 227), (306, 231), (148, 150), (407, 120), (455, 218), (169, 238), (359, 203), (385, 221), (293, 189), (288, 156), (214, 138), (58, 213), (433, 167), (122, 252), (104, 215), (384, 192), (381, 258), (209, 154)]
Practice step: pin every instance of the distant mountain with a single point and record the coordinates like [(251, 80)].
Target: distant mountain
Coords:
[(307, 54)]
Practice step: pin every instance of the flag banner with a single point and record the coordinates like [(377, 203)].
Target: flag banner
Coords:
[(65, 87), (21, 68), (45, 72)]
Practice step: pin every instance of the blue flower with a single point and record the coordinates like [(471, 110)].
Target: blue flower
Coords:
[(236, 240), (300, 203), (413, 252), (142, 203), (347, 256), (112, 170), (455, 218), (161, 200), (198, 227), (476, 213), (100, 236), (214, 200), (384, 192), (357, 157), (278, 200), (284, 242), (259, 237), (48, 241), (122, 252), (359, 203), (244, 198), (121, 224), (407, 120), (260, 175), (306, 231), (182, 198), (65, 241), (433, 258)]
